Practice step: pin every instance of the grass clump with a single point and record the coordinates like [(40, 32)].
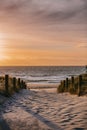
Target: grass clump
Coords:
[(10, 85), (75, 85)]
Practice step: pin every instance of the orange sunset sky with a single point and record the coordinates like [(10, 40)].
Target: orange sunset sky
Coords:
[(43, 32)]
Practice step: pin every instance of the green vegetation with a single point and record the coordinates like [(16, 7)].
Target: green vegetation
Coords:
[(75, 85)]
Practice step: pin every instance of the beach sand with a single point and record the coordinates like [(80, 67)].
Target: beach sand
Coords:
[(44, 110)]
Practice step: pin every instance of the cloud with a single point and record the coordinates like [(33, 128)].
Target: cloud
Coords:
[(49, 10), (63, 19), (82, 45)]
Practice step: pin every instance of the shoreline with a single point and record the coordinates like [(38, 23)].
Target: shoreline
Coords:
[(42, 85)]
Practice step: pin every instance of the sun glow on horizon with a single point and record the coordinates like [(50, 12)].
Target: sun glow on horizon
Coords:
[(2, 47), (37, 33)]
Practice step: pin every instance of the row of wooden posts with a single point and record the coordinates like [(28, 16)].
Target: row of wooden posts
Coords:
[(66, 84), (16, 83)]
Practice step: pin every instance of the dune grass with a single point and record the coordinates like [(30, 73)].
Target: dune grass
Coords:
[(13, 86), (75, 87)]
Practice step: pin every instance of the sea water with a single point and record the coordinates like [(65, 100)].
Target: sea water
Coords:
[(42, 75)]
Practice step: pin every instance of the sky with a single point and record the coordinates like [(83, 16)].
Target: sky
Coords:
[(43, 32)]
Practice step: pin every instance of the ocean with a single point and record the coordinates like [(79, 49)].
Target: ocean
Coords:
[(43, 75)]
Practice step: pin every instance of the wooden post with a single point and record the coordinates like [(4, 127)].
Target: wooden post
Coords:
[(60, 89), (19, 83), (61, 83), (72, 82), (14, 83), (67, 81), (86, 68), (79, 84), (22, 84), (25, 85), (7, 84), (64, 85)]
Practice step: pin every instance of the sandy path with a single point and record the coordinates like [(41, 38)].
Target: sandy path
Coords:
[(30, 110)]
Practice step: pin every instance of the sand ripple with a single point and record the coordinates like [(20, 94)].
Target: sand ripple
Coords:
[(30, 110)]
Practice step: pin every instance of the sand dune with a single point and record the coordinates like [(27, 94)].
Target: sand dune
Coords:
[(41, 110)]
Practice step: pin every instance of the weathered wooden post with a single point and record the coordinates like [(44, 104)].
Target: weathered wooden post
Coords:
[(22, 84), (63, 85), (79, 84), (72, 82), (7, 85), (60, 89), (67, 83), (25, 85), (86, 69), (19, 83), (14, 83)]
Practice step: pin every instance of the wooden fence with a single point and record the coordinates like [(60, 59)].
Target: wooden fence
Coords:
[(12, 84), (75, 85)]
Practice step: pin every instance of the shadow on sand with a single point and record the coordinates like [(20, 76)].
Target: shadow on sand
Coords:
[(4, 125), (43, 120)]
